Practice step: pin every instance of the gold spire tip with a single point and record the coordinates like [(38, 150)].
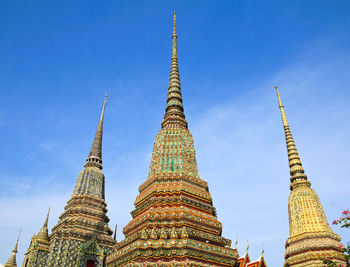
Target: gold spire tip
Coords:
[(174, 27), (47, 217), (279, 98), (19, 234), (296, 170), (16, 246), (103, 108)]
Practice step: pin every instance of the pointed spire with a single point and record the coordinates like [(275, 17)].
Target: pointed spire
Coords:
[(236, 242), (246, 256), (95, 155), (16, 246), (174, 37), (47, 218), (174, 111), (12, 260), (115, 232), (44, 231), (261, 260), (296, 169)]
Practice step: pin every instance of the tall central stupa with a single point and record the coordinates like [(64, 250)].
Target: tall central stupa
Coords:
[(174, 221)]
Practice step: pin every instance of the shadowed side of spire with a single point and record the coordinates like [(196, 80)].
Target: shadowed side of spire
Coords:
[(95, 155), (44, 232), (296, 169), (174, 111), (115, 232), (12, 260)]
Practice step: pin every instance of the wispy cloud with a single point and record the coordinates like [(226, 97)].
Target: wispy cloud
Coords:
[(48, 145)]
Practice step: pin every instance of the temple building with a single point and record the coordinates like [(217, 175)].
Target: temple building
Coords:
[(244, 261), (82, 236), (311, 240), (174, 222)]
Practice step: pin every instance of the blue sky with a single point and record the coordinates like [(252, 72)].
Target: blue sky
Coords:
[(59, 58)]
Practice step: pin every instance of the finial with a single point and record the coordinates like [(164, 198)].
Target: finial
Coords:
[(115, 232), (95, 156), (174, 27), (44, 232), (103, 108), (280, 105), (16, 246), (174, 49), (263, 250), (236, 242), (279, 98), (174, 112), (278, 95), (247, 247), (47, 218), (296, 169)]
